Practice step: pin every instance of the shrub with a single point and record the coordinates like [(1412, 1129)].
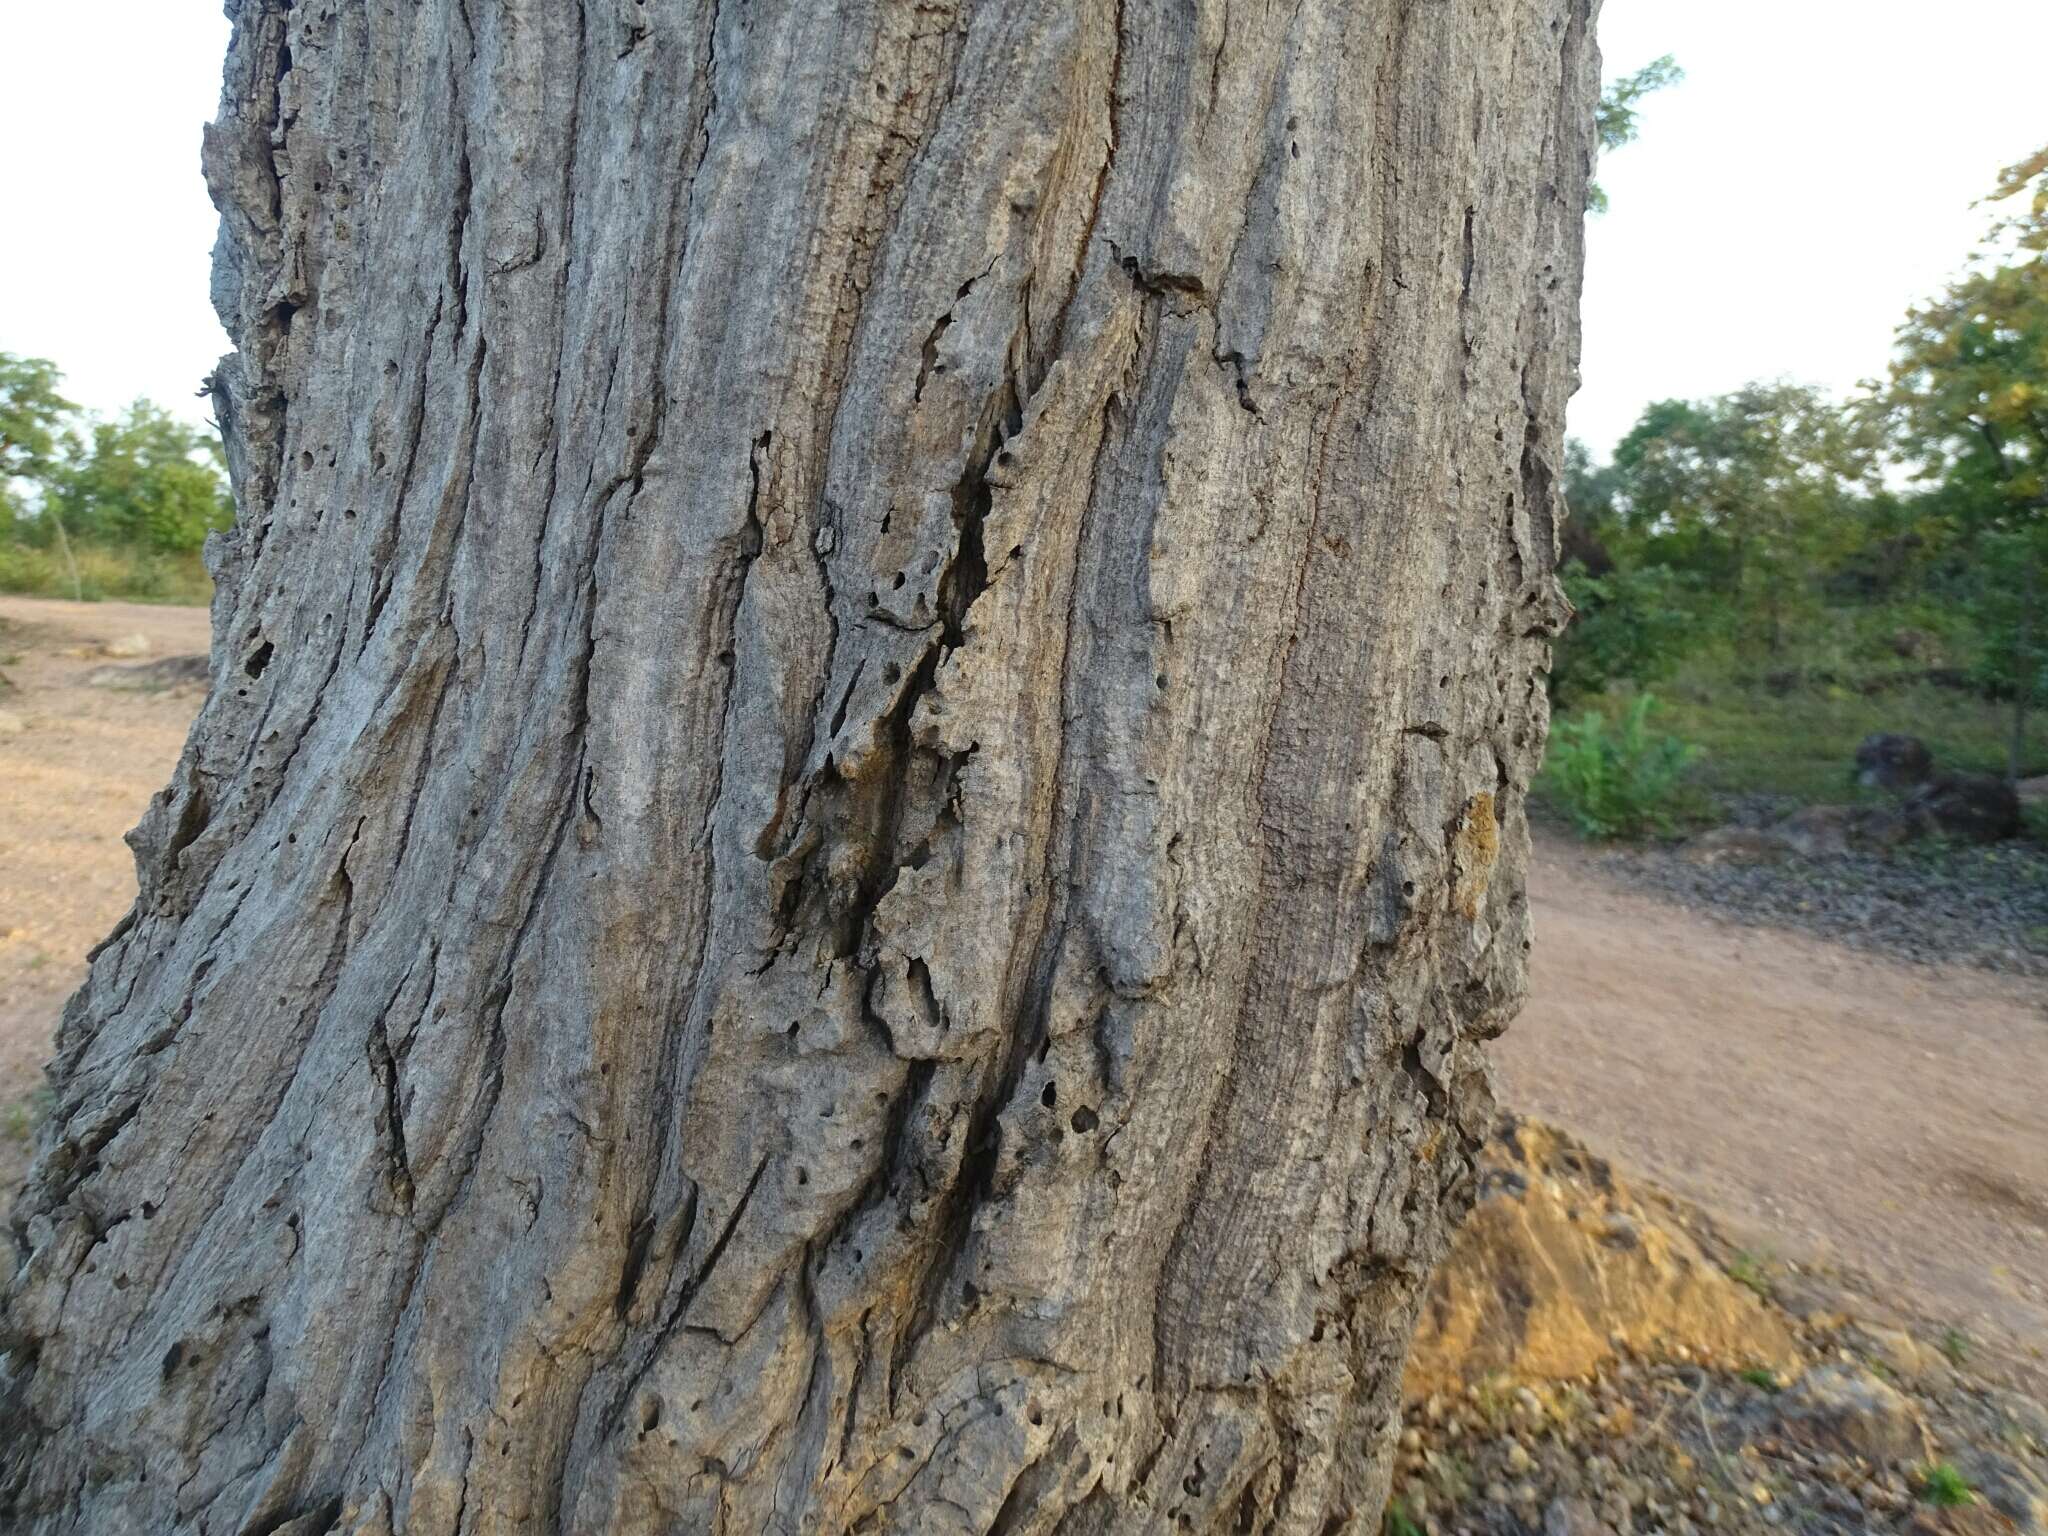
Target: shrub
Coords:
[(1632, 626), (104, 572), (1616, 779)]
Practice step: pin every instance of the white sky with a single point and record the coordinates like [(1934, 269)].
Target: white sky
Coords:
[(1812, 177)]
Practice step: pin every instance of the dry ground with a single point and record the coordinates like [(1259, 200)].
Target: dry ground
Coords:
[(1826, 1103), (73, 779), (1886, 1117)]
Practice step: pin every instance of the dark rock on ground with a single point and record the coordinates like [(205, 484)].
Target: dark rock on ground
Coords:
[(150, 676), (1974, 807), (1890, 760)]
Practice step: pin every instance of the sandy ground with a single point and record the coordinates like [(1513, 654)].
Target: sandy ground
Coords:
[(1887, 1117), (1826, 1104), (72, 780)]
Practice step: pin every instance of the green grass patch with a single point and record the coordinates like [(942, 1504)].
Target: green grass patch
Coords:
[(1944, 1487), (1801, 741), (1747, 1269)]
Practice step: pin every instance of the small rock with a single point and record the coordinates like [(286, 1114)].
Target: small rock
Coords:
[(1963, 1520), (1974, 807), (1519, 1459), (1573, 1517), (1842, 1409), (1496, 1493), (1735, 845), (1818, 831), (2009, 1487), (1903, 1355), (167, 672), (2024, 1416), (1890, 760), (126, 647)]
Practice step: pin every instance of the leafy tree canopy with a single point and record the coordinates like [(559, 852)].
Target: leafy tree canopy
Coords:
[(1970, 371), (34, 430), (1615, 118), (144, 478)]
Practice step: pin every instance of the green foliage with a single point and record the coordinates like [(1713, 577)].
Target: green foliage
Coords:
[(1616, 778), (1633, 625), (1955, 1345), (1761, 1379), (1794, 734), (1944, 1487), (34, 430), (1399, 1522), (1969, 404), (145, 479), (2005, 605), (102, 508), (1747, 1269), (1615, 118), (1760, 560), (1747, 494)]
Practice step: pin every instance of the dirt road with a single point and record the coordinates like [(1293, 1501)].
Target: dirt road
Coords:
[(77, 765), (1826, 1104), (1893, 1118)]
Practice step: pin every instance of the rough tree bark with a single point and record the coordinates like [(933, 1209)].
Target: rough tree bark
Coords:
[(861, 807)]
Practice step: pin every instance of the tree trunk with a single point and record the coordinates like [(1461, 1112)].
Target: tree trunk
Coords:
[(2026, 664), (862, 802), (64, 547)]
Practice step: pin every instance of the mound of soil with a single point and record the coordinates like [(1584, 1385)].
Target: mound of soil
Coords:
[(1857, 1425)]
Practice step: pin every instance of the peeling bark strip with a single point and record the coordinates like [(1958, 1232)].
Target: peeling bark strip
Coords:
[(901, 646)]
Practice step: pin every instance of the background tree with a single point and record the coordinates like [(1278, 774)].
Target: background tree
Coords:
[(1970, 398), (861, 810), (1615, 119), (1747, 493), (34, 424), (35, 437), (141, 492), (145, 479)]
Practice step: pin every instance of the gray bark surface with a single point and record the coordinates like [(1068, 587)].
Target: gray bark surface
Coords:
[(861, 808)]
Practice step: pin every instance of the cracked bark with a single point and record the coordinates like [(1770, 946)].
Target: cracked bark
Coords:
[(862, 804)]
